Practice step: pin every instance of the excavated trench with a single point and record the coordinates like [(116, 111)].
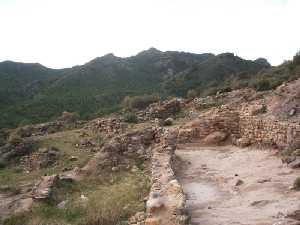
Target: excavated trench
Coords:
[(228, 185)]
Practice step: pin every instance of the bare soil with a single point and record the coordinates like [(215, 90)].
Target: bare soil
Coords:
[(228, 185)]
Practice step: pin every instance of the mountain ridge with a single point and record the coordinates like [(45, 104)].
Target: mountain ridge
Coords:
[(98, 86)]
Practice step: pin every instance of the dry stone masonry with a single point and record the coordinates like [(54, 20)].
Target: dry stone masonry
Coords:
[(166, 202), (109, 126), (243, 127), (161, 110)]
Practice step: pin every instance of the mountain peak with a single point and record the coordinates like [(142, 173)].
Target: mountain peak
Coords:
[(226, 54), (150, 51), (106, 59), (263, 62)]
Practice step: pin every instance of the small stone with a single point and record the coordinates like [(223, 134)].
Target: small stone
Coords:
[(296, 152), (83, 198), (115, 169), (260, 203), (134, 169), (264, 180), (292, 112), (73, 158), (62, 204), (239, 182)]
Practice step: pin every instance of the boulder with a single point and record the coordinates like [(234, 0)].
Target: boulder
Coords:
[(257, 109), (155, 201), (62, 204), (295, 164), (243, 142), (168, 122), (42, 189), (294, 215), (239, 182), (216, 137)]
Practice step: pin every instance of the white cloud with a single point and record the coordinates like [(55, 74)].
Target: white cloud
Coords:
[(62, 33)]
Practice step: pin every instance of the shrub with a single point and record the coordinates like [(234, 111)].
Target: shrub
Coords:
[(130, 118), (262, 85), (2, 141), (3, 136), (224, 90), (14, 139), (191, 94), (139, 102), (25, 131), (2, 164), (69, 117), (18, 219), (296, 58)]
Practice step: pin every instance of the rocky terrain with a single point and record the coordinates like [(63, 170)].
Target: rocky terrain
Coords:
[(178, 161)]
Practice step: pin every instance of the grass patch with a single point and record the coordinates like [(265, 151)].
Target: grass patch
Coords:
[(13, 176), (108, 203), (65, 142)]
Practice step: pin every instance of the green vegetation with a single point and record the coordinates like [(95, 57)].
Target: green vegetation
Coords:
[(109, 198), (31, 93), (130, 117), (106, 204), (191, 94), (14, 175), (139, 102)]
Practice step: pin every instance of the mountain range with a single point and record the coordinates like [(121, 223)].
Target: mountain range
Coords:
[(31, 92)]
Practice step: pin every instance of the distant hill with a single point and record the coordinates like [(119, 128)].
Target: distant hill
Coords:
[(213, 74), (31, 93)]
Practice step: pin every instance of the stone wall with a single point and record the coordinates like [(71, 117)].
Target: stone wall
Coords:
[(220, 119), (241, 125), (269, 132), (166, 203), (108, 126), (161, 110)]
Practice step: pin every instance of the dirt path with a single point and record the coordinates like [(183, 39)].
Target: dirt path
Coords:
[(228, 185)]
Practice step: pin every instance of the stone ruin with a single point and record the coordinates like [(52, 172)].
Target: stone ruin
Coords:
[(243, 128), (109, 126), (161, 110)]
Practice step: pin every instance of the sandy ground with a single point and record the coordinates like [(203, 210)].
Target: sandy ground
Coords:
[(211, 177)]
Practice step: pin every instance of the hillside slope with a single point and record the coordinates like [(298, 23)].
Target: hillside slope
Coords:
[(213, 74), (31, 93)]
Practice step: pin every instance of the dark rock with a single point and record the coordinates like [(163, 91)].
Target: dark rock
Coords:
[(295, 164), (239, 182)]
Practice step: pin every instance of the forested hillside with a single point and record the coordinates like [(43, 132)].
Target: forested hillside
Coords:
[(31, 93)]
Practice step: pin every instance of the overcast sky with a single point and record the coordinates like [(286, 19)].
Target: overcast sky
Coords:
[(64, 33)]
